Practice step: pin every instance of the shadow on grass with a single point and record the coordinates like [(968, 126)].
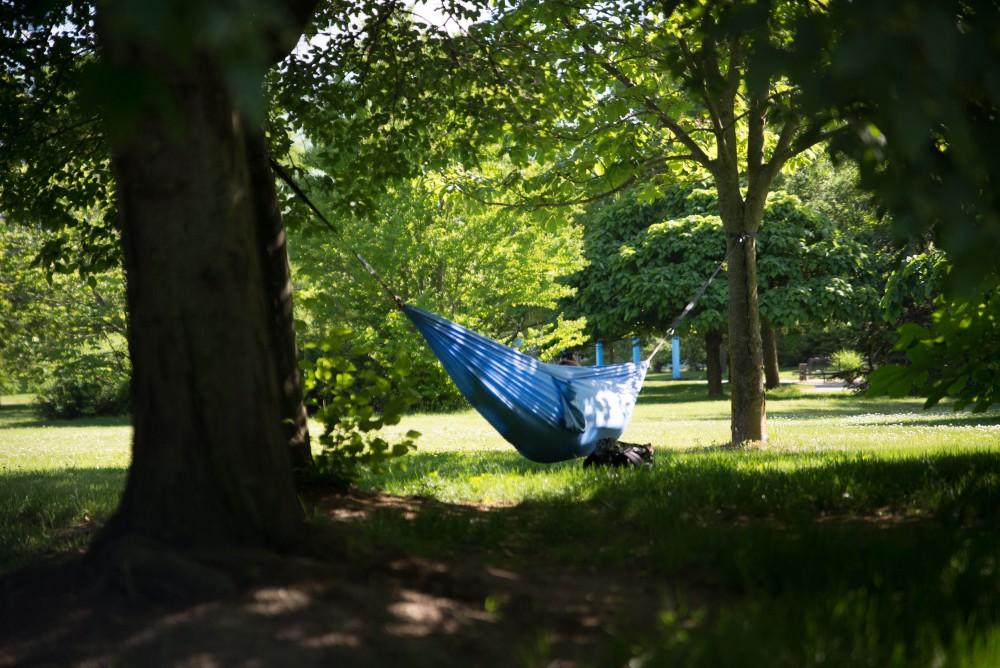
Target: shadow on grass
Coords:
[(862, 559), (43, 511), (743, 484), (26, 416)]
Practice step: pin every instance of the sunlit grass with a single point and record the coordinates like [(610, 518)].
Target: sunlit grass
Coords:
[(473, 464), (56, 478)]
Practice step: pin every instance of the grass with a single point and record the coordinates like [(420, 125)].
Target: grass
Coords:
[(56, 478), (863, 533)]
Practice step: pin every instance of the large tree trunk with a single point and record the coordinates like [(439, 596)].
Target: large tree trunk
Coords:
[(210, 457), (713, 364), (772, 377)]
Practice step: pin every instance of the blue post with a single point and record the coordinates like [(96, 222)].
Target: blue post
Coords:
[(636, 351), (675, 357), (599, 352)]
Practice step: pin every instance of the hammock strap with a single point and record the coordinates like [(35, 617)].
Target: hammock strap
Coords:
[(740, 239), (284, 175)]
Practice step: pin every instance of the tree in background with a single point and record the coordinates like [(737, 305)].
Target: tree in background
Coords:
[(646, 260), (913, 288), (52, 322), (493, 270)]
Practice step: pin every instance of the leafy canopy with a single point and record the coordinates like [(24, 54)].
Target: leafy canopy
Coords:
[(647, 259)]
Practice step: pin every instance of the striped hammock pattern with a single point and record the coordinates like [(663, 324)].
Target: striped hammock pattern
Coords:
[(549, 412)]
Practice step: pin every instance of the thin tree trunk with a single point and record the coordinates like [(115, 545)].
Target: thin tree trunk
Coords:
[(772, 377), (741, 219), (749, 417), (210, 458), (713, 357)]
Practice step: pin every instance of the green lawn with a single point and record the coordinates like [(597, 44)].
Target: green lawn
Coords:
[(56, 479), (864, 533)]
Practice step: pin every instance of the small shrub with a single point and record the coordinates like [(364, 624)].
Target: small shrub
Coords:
[(85, 387), (356, 391), (847, 364)]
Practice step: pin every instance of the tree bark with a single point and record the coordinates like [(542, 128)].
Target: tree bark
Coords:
[(741, 219), (278, 284), (772, 378), (210, 456), (713, 356), (746, 353)]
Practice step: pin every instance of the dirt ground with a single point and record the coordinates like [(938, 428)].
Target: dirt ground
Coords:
[(392, 610)]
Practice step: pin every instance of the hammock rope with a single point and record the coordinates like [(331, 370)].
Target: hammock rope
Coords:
[(740, 239), (290, 182)]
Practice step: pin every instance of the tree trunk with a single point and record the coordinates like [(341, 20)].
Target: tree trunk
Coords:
[(278, 282), (713, 356), (741, 219), (772, 378), (746, 354), (210, 457), (727, 368)]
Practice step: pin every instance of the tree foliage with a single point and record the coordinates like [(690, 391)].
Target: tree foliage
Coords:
[(913, 287), (917, 83), (493, 270), (356, 391), (957, 355), (646, 260), (53, 152), (53, 322)]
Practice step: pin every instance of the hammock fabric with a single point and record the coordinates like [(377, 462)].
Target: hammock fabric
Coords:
[(549, 412)]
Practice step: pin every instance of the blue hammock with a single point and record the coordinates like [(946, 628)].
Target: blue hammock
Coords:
[(549, 412)]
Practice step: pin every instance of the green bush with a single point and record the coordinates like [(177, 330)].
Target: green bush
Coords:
[(356, 391), (85, 387), (847, 364)]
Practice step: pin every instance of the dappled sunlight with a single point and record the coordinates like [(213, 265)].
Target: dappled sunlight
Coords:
[(278, 600)]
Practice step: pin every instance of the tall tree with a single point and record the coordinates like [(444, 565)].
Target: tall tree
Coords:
[(632, 93), (62, 105), (647, 259), (204, 250), (177, 91)]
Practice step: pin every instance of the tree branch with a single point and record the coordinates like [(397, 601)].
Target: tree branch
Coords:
[(668, 121)]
